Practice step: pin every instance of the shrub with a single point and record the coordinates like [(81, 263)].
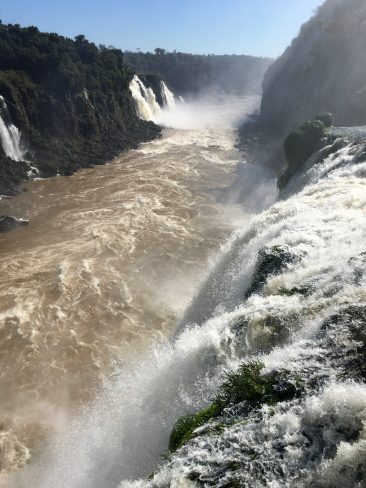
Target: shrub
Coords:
[(247, 384), (185, 426), (325, 117), (303, 142)]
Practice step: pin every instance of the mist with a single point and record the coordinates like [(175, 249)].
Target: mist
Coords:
[(210, 111)]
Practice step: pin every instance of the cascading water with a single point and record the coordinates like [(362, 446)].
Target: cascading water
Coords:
[(10, 135), (145, 101), (305, 322), (167, 96)]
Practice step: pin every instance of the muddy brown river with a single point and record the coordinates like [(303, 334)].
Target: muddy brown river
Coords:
[(108, 262)]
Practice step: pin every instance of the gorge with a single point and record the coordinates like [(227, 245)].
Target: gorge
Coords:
[(191, 314)]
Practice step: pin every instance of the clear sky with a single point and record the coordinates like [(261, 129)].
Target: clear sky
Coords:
[(257, 27)]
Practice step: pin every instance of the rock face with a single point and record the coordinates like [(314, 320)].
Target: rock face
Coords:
[(8, 223), (69, 99), (324, 70)]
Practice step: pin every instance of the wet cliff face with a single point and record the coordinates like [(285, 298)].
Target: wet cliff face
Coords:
[(69, 99), (324, 69)]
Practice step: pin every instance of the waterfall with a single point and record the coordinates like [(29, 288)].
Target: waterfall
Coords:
[(167, 96), (146, 104), (304, 322), (9, 134), (145, 101)]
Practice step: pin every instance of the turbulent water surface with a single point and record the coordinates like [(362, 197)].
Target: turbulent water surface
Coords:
[(107, 264), (128, 297)]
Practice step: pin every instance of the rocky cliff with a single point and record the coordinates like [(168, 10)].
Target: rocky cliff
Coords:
[(69, 99), (324, 70)]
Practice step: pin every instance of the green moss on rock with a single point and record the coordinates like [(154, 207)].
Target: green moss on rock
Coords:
[(299, 145), (185, 426), (248, 385), (325, 117)]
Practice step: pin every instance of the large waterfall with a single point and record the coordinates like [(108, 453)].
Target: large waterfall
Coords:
[(146, 103), (10, 135)]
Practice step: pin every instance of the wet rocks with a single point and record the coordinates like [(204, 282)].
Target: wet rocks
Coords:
[(12, 173), (270, 261), (8, 223)]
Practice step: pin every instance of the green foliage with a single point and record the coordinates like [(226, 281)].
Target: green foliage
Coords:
[(184, 427), (242, 385), (325, 117), (247, 384), (60, 64), (300, 144), (70, 99), (190, 73), (270, 261)]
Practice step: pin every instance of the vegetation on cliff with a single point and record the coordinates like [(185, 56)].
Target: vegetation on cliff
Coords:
[(69, 98), (191, 73)]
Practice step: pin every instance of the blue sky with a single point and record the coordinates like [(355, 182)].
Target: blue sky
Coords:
[(257, 27)]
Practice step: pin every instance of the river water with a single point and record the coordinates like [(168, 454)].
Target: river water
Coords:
[(110, 259)]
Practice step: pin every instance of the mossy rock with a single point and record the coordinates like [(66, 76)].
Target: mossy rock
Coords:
[(265, 333), (270, 261), (248, 385), (185, 426), (326, 117), (300, 145), (303, 142)]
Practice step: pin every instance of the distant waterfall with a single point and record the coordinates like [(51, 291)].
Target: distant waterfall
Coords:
[(167, 96), (146, 101), (146, 105), (10, 135)]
